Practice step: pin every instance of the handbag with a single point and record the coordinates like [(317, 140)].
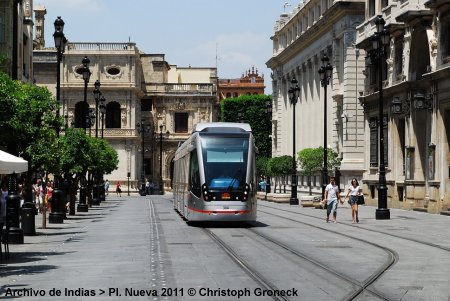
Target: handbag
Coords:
[(360, 200)]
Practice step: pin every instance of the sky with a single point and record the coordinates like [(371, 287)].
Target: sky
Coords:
[(188, 32)]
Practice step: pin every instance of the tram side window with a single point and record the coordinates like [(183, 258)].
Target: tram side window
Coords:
[(194, 174)]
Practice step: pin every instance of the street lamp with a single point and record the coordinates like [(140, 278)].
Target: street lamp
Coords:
[(97, 95), (325, 72), (101, 186), (293, 96), (269, 114), (96, 189), (161, 185), (90, 119), (82, 205), (380, 40), (86, 75), (102, 112), (143, 128), (57, 214), (60, 44)]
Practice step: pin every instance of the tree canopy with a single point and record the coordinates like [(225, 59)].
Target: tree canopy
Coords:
[(251, 109), (29, 124), (311, 160)]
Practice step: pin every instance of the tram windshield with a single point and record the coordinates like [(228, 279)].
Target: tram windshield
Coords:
[(225, 162)]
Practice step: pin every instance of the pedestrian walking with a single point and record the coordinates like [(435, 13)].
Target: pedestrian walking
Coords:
[(49, 196), (4, 194), (118, 189), (262, 185), (331, 198), (107, 187), (151, 186), (147, 186), (354, 191)]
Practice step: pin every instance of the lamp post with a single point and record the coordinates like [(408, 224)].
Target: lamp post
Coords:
[(96, 177), (86, 75), (161, 185), (60, 44), (82, 205), (101, 185), (102, 112), (380, 40), (269, 114), (90, 119), (143, 128), (293, 96), (97, 95), (57, 214), (325, 72)]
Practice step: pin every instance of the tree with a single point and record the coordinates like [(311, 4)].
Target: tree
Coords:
[(311, 161), (280, 167), (82, 154), (28, 122), (105, 158), (251, 109), (262, 167)]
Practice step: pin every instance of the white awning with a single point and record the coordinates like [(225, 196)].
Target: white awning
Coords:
[(11, 164)]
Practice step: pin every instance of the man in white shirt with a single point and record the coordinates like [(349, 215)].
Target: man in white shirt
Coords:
[(332, 196)]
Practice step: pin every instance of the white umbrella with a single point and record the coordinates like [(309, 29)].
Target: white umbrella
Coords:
[(12, 164)]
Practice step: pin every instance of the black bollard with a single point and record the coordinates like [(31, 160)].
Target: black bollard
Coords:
[(82, 205), (15, 234), (28, 215), (101, 187), (95, 190), (56, 216)]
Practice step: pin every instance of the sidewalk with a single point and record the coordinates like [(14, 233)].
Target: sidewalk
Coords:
[(83, 240)]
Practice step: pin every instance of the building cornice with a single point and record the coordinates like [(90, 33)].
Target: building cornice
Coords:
[(324, 25)]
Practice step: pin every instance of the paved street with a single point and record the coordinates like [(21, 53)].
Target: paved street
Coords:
[(139, 248)]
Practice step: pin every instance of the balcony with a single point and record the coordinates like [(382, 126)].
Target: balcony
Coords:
[(181, 89), (93, 46)]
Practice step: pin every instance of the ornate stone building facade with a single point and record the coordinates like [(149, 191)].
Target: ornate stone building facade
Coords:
[(250, 83), (16, 39), (151, 106), (174, 100), (416, 96), (416, 103), (301, 38)]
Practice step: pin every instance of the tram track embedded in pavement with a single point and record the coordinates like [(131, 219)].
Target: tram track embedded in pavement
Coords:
[(362, 228), (266, 284), (362, 286)]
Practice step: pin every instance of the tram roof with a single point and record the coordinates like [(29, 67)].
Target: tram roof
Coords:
[(222, 127)]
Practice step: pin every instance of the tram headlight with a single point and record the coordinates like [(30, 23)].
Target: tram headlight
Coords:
[(245, 193), (205, 192)]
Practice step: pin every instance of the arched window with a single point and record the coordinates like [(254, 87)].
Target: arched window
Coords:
[(228, 94), (81, 109), (112, 115)]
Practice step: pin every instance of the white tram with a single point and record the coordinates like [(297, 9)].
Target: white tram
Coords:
[(215, 173)]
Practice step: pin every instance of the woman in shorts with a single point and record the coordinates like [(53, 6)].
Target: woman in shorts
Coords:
[(354, 191)]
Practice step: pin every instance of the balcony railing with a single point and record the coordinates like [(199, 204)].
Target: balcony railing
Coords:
[(181, 89), (101, 46)]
